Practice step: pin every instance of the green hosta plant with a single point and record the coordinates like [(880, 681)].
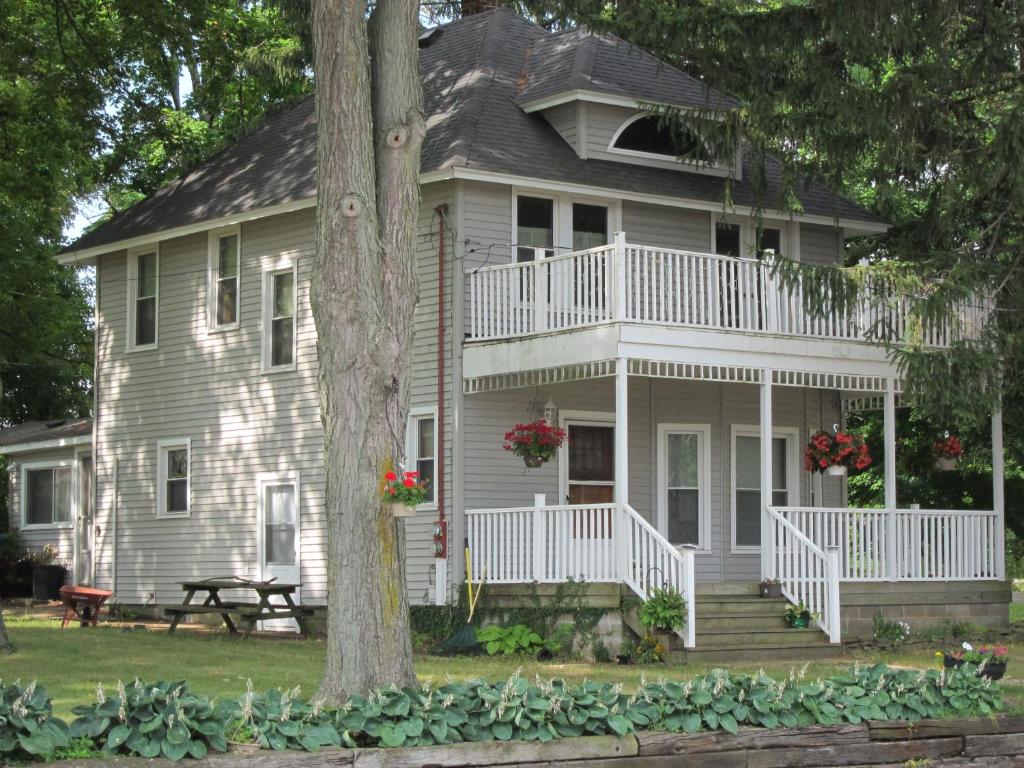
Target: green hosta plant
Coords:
[(507, 641), (281, 720), (153, 719), (27, 723), (664, 610)]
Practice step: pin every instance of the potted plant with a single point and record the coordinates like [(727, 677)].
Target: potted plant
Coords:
[(771, 588), (664, 610), (536, 442), (947, 452), (403, 493), (798, 616), (836, 454), (47, 574), (991, 662)]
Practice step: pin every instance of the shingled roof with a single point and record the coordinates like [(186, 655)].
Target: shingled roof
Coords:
[(33, 432), (477, 72)]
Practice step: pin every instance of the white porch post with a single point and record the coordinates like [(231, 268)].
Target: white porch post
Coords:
[(767, 538), (619, 268), (998, 493), (889, 419), (622, 463), (539, 556)]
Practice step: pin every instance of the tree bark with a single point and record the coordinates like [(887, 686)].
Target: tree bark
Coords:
[(369, 133)]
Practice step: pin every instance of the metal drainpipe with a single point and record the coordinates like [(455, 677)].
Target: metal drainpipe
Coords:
[(439, 489)]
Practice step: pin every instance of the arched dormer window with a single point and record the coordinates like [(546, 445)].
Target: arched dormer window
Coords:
[(647, 135)]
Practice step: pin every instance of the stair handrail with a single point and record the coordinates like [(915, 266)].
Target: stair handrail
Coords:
[(677, 567), (806, 574)]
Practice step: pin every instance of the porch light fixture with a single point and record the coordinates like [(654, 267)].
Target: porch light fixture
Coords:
[(550, 411)]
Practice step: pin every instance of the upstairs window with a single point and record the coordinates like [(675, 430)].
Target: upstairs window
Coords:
[(47, 499), (535, 226), (143, 292), (648, 135), (279, 319), (589, 226), (222, 286), (769, 240), (727, 239)]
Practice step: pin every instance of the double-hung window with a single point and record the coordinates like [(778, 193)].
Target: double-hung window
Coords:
[(421, 448), (47, 495), (535, 226), (279, 319), (143, 297), (174, 477), (224, 261), (683, 485)]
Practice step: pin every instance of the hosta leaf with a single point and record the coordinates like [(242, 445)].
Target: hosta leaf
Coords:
[(728, 722), (151, 748), (197, 749), (502, 731), (711, 718), (118, 735), (691, 723), (36, 744), (619, 724), (174, 750)]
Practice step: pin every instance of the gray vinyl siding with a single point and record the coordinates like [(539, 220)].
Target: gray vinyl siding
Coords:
[(660, 226), (35, 538), (242, 422), (495, 478), (565, 119), (820, 244)]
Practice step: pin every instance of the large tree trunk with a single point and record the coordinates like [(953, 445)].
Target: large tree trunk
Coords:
[(369, 132)]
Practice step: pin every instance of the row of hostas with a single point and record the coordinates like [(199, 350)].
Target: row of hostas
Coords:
[(167, 719)]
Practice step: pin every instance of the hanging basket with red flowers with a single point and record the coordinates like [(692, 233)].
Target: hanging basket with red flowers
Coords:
[(535, 442), (403, 493), (947, 452), (836, 454)]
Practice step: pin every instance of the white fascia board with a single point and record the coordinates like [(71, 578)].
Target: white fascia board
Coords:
[(852, 226), (87, 256), (44, 445), (594, 97)]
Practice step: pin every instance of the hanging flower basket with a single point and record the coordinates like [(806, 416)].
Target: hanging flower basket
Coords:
[(402, 494), (536, 442), (947, 453), (836, 454)]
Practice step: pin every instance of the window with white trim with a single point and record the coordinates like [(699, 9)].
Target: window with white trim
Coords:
[(280, 523), (223, 283), (143, 297), (279, 319), (421, 448), (652, 135), (47, 497), (535, 226), (746, 459), (174, 477), (683, 465)]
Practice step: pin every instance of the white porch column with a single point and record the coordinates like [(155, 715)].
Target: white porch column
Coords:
[(619, 282), (998, 493), (622, 463), (767, 539), (889, 439)]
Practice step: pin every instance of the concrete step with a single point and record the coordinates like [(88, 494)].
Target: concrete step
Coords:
[(749, 623), (709, 588), (739, 606), (784, 637)]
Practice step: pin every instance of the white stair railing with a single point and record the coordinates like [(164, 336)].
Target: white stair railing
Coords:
[(807, 573), (650, 560)]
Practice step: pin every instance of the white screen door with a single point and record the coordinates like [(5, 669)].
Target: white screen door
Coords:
[(279, 536), (84, 523)]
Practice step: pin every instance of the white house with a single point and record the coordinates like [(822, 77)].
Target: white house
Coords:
[(575, 268)]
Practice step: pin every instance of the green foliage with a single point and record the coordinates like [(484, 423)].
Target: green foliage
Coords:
[(281, 720), (154, 719), (560, 640), (648, 650), (27, 724), (664, 609), (507, 641), (890, 631), (794, 612)]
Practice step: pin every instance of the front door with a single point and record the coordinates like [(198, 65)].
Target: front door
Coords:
[(279, 538), (84, 523), (590, 463)]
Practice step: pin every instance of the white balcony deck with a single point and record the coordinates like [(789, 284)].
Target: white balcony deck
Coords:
[(625, 294)]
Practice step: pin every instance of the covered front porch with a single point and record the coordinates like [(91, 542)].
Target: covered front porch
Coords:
[(685, 474)]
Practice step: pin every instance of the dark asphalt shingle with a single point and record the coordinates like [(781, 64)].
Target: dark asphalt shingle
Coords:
[(42, 431), (475, 74)]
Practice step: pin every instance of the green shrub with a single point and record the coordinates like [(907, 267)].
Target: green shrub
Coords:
[(507, 641), (281, 720), (665, 610), (152, 719), (27, 724)]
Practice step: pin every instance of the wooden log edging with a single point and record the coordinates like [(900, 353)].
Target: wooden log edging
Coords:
[(996, 742)]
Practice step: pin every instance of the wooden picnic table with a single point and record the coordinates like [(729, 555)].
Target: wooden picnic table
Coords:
[(248, 612), (82, 603)]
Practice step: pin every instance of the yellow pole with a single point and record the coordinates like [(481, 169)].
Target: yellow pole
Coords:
[(469, 583)]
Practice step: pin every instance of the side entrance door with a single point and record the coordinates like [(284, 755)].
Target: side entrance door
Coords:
[(278, 520), (84, 522)]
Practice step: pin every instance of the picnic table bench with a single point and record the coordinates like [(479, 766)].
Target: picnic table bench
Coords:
[(82, 603), (248, 613)]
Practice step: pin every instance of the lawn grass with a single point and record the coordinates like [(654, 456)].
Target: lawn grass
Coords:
[(70, 663), (1016, 612)]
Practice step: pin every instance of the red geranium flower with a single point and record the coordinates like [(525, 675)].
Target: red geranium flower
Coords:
[(390, 476)]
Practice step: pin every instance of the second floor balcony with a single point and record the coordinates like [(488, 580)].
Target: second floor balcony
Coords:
[(729, 311)]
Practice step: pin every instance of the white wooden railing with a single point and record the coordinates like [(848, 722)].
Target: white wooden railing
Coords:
[(587, 542), (903, 544), (807, 573), (639, 284)]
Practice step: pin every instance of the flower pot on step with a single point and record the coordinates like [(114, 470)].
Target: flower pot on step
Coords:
[(800, 622), (945, 463), (836, 470), (771, 590), (993, 670), (401, 510)]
